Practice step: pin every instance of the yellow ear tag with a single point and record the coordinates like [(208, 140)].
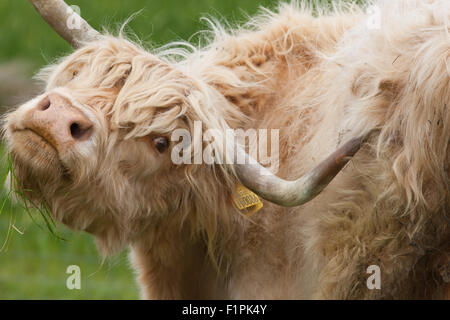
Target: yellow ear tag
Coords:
[(243, 198)]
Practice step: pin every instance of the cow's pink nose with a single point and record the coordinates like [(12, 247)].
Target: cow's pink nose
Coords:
[(57, 121)]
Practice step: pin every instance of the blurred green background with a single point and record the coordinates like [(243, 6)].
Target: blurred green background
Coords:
[(33, 262)]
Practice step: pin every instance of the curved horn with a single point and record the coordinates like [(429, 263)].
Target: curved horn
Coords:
[(294, 193), (66, 22)]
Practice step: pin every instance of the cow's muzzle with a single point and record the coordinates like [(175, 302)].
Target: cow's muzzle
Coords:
[(58, 122)]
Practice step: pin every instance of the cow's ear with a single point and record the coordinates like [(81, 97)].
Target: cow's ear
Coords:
[(160, 143)]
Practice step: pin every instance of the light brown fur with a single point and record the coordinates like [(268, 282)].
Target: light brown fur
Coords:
[(320, 80)]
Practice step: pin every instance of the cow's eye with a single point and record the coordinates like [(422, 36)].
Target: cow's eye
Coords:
[(161, 143), (74, 75)]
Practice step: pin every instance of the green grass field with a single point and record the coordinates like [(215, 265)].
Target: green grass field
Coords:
[(33, 262)]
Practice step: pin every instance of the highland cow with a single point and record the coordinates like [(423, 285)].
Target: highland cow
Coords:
[(95, 148)]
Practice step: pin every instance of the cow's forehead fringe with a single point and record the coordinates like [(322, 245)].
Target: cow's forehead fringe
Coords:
[(147, 92)]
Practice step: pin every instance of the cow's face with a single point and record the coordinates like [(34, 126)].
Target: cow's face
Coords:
[(95, 146)]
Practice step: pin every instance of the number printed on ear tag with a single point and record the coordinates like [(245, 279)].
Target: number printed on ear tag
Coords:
[(244, 199)]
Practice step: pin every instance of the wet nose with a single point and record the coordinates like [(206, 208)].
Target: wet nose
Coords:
[(56, 120)]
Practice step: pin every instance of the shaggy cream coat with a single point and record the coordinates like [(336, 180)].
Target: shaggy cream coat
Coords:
[(321, 79)]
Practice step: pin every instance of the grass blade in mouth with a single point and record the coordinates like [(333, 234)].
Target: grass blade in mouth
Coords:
[(29, 207)]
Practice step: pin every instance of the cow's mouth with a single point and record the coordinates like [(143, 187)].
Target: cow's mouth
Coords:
[(34, 141), (34, 150), (35, 135)]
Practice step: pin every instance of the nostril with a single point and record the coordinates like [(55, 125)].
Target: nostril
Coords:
[(80, 131), (44, 104)]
